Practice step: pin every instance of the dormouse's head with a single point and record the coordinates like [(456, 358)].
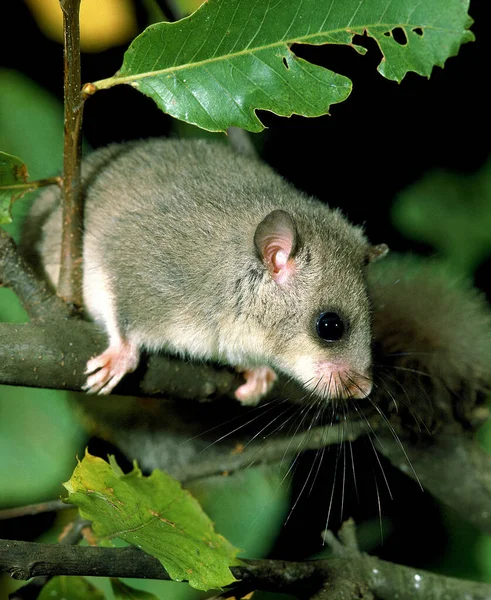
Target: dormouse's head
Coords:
[(318, 305)]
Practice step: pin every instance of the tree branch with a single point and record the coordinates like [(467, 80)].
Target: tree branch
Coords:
[(200, 459), (70, 537), (385, 580), (54, 355), (70, 281), (15, 272)]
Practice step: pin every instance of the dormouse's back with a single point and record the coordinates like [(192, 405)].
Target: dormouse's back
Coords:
[(195, 183), (209, 175)]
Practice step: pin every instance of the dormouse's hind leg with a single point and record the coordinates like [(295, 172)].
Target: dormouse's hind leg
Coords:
[(106, 370)]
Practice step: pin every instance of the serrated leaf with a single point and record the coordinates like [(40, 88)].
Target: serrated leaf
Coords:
[(232, 57), (125, 592), (13, 171), (155, 514), (72, 588)]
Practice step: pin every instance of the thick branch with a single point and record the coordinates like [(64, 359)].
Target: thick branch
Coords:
[(70, 282), (70, 537), (54, 356), (386, 580), (15, 272)]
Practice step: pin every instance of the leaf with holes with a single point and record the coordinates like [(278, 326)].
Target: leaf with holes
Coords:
[(155, 514), (13, 177), (232, 57)]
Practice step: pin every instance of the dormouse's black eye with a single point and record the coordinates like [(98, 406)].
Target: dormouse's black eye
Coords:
[(330, 326)]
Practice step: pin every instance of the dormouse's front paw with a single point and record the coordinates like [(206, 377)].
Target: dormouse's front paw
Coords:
[(258, 383), (106, 370)]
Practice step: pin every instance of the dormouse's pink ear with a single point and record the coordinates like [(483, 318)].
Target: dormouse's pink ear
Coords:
[(275, 240), (376, 252)]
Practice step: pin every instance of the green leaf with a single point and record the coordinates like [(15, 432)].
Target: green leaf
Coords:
[(125, 592), (155, 514), (233, 57), (31, 124), (72, 588), (13, 172)]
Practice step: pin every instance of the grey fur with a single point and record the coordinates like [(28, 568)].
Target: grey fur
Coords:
[(169, 227)]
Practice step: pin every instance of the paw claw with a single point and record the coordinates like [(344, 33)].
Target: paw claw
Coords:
[(106, 370)]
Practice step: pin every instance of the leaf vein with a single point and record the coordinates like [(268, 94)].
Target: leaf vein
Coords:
[(293, 20), (288, 84), (301, 39), (191, 93), (260, 26), (227, 93)]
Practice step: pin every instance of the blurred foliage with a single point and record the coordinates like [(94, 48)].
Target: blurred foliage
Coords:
[(452, 213), (74, 588), (31, 124), (39, 437), (261, 495)]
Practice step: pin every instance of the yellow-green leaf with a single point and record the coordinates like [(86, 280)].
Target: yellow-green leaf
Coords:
[(155, 514)]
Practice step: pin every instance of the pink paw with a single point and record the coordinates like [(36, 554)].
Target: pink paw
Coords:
[(106, 370), (258, 383)]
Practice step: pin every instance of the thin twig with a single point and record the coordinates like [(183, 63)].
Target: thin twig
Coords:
[(70, 281), (33, 509)]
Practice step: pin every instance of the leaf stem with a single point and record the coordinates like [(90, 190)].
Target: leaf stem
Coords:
[(33, 185), (70, 281)]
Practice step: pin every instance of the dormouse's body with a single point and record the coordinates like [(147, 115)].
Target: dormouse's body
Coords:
[(193, 248)]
